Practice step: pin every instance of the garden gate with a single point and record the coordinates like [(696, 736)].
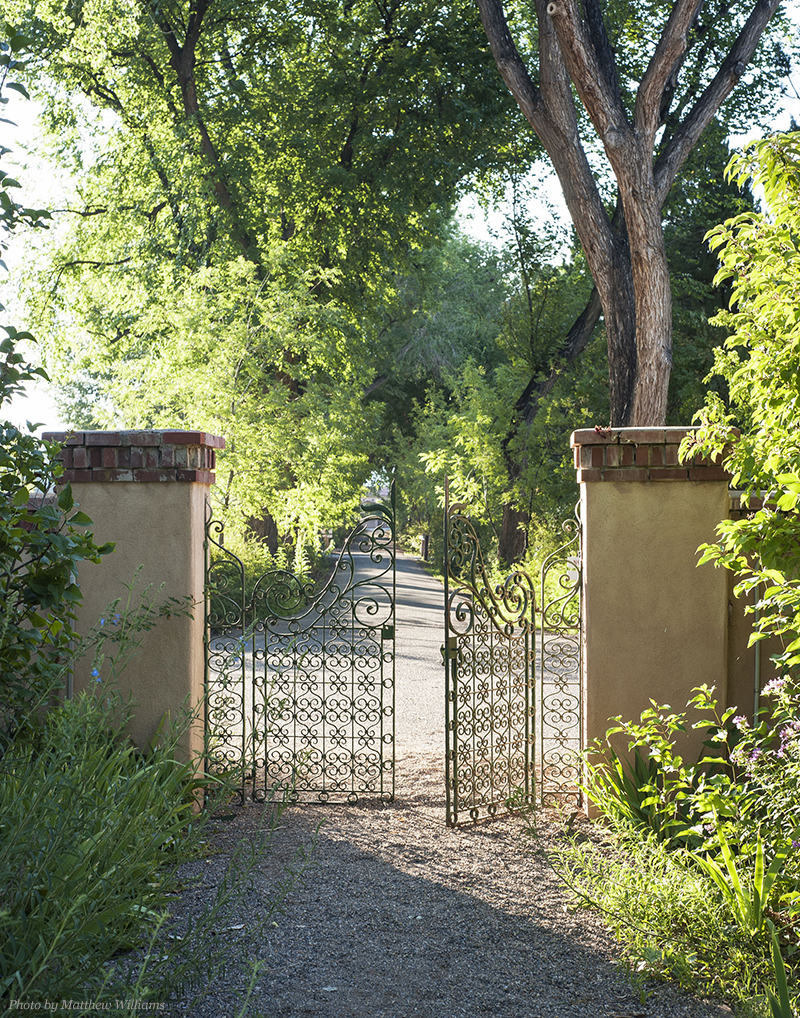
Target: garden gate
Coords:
[(300, 685), (513, 717)]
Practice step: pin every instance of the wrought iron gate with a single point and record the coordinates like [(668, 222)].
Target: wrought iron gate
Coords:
[(300, 682), (559, 699), (512, 721)]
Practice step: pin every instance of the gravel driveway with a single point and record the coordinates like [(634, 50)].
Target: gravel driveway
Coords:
[(399, 916)]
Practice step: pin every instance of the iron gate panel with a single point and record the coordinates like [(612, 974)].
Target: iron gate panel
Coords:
[(300, 683), (559, 699), (489, 700)]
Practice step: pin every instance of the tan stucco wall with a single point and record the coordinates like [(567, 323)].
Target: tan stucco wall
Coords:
[(158, 526), (741, 658), (655, 623)]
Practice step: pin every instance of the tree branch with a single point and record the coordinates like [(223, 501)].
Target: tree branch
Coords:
[(669, 53), (575, 342), (590, 79), (602, 47), (700, 116), (510, 64), (527, 405), (86, 261), (551, 113)]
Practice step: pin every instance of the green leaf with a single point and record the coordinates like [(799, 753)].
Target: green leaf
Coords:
[(65, 498), (15, 85)]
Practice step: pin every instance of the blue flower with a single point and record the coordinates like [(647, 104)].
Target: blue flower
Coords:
[(96, 675), (102, 622)]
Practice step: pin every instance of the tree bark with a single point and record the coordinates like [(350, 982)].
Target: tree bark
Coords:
[(629, 263), (513, 535)]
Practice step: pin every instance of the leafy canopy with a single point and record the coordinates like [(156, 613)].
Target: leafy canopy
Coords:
[(760, 256)]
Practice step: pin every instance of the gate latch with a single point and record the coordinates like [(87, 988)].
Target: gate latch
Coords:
[(449, 649)]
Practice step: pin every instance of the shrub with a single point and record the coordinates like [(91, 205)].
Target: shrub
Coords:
[(90, 842), (721, 836), (42, 541)]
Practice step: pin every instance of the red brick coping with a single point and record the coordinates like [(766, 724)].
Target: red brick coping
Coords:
[(639, 454), (92, 457)]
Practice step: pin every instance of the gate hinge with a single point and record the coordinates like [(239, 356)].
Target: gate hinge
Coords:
[(387, 632)]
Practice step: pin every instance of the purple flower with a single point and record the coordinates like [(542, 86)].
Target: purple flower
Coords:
[(774, 686), (740, 721), (755, 755), (795, 843)]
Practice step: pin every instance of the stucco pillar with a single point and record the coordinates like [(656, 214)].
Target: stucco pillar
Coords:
[(655, 624), (146, 491)]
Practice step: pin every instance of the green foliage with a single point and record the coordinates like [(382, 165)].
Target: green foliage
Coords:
[(745, 896), (732, 818), (656, 789), (780, 1006), (702, 197), (42, 537), (13, 214), (92, 837), (42, 541), (87, 825), (252, 248), (760, 255), (672, 923)]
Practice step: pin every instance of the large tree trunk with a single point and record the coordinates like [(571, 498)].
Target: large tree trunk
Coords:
[(631, 278), (513, 535), (617, 298), (652, 297)]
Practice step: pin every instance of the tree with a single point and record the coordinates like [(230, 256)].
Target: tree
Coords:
[(548, 301), (43, 538), (343, 130), (646, 132), (323, 146)]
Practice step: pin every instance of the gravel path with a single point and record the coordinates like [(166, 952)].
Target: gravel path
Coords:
[(399, 916)]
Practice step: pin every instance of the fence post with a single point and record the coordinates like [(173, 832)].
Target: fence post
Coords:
[(146, 491), (655, 625)]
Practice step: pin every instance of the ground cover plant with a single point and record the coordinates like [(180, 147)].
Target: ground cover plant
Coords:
[(91, 845), (714, 884)]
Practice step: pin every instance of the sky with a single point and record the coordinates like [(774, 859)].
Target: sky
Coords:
[(46, 186)]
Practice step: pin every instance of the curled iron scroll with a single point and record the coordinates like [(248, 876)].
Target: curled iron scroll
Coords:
[(509, 605)]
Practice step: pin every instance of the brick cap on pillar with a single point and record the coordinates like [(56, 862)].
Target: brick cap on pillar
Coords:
[(103, 457), (640, 454)]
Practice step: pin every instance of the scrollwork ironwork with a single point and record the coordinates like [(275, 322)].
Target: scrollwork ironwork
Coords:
[(300, 682), (559, 694), (487, 653)]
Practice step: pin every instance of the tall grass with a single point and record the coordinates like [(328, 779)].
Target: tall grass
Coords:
[(91, 836)]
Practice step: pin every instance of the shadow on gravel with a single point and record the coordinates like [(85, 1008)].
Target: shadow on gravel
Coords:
[(431, 923)]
